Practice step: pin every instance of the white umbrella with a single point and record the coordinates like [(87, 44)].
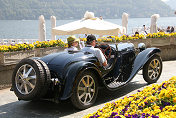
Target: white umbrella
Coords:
[(88, 25), (153, 26), (125, 21)]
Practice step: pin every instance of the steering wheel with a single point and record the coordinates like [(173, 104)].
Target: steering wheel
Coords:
[(104, 50)]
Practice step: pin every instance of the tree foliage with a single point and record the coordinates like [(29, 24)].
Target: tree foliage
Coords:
[(75, 9)]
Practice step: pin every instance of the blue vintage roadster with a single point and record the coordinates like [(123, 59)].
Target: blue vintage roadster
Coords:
[(77, 75)]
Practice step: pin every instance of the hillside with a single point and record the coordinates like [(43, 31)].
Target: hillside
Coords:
[(75, 9), (172, 4)]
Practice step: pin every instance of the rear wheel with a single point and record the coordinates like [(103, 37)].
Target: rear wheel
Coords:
[(152, 69), (85, 90), (29, 80)]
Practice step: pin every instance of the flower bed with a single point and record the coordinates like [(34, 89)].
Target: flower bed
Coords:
[(155, 101), (16, 47), (14, 53), (23, 47), (164, 39), (134, 37)]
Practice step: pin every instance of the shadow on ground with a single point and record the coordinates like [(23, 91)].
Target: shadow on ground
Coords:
[(47, 109)]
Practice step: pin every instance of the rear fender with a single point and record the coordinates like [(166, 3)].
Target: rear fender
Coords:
[(72, 72), (141, 59)]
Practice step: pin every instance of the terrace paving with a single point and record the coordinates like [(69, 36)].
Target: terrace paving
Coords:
[(11, 107)]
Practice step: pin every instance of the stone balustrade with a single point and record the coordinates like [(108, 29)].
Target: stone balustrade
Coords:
[(8, 58)]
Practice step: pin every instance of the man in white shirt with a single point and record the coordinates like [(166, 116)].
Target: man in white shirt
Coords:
[(91, 42)]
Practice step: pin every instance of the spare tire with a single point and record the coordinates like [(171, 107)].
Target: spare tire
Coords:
[(29, 79)]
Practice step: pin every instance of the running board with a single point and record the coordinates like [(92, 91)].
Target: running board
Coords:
[(115, 84)]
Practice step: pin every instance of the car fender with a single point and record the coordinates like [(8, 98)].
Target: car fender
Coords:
[(141, 59), (71, 73)]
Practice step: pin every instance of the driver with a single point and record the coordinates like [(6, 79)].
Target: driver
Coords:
[(91, 42)]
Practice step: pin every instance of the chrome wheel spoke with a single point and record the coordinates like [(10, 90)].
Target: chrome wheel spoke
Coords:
[(20, 75), (157, 73), (30, 84), (151, 75), (81, 88), (82, 95), (154, 63), (24, 70), (150, 71), (91, 84), (84, 82), (152, 66), (31, 77), (29, 71), (90, 97), (21, 86), (19, 81), (26, 89), (85, 98), (88, 80), (157, 64)]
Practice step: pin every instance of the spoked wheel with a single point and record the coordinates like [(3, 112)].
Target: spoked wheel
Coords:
[(29, 79), (85, 90), (25, 79), (152, 69)]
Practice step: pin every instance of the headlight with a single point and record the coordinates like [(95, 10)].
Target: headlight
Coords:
[(141, 46)]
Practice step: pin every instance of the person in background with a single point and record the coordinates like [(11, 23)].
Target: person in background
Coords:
[(101, 18), (168, 29), (144, 29), (136, 33), (172, 29), (72, 43), (91, 43)]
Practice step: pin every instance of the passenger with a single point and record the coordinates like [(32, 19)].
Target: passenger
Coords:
[(91, 42), (72, 43)]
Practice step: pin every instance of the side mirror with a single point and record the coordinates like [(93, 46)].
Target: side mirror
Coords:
[(141, 47)]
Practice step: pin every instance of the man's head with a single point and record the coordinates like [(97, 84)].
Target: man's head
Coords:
[(91, 40)]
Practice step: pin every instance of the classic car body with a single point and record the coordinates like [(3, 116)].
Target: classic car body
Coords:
[(77, 75)]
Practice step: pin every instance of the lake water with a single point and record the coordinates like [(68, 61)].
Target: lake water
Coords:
[(28, 29)]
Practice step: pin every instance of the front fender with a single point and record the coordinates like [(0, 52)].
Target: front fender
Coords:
[(71, 73), (141, 59)]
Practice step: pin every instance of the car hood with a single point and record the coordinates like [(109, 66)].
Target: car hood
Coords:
[(125, 46), (63, 58)]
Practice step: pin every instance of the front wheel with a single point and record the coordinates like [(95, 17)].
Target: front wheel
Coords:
[(85, 90), (152, 69)]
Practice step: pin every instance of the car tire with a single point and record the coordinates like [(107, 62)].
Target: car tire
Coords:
[(152, 69), (85, 90), (29, 80)]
